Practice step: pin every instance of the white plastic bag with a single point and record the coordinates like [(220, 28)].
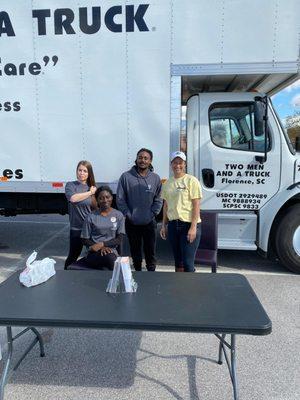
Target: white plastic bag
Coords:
[(37, 272), (122, 280)]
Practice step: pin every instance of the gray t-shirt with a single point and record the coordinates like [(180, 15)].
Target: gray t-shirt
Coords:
[(100, 228), (79, 210)]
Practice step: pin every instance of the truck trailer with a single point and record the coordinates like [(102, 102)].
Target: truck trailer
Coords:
[(99, 81)]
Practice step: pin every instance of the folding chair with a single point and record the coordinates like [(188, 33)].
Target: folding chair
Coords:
[(207, 253)]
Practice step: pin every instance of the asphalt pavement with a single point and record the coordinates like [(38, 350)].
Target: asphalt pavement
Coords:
[(105, 364)]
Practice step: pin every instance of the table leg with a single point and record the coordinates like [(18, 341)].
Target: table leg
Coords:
[(7, 363), (233, 368), (40, 339), (220, 358), (231, 363), (10, 340)]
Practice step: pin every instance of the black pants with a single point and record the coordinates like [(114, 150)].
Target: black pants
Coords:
[(183, 251), (75, 247), (96, 261), (142, 236)]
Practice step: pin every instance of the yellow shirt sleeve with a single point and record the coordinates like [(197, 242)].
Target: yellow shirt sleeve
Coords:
[(195, 189)]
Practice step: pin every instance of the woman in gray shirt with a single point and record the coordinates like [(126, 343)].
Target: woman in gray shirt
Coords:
[(80, 195), (102, 231)]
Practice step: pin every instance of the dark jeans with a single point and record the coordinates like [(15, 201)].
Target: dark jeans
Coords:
[(75, 247), (142, 236), (183, 251), (96, 261)]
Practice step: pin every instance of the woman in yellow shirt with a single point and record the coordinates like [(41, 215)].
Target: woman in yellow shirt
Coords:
[(181, 213)]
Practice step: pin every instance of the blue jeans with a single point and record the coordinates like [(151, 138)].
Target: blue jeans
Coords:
[(183, 251)]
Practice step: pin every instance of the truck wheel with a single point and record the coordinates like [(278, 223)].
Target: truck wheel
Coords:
[(288, 239)]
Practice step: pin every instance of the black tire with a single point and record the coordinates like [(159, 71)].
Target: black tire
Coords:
[(284, 239)]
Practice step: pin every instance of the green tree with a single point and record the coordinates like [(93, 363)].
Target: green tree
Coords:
[(292, 124)]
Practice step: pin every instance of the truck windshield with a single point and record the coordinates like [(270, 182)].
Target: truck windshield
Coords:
[(232, 126)]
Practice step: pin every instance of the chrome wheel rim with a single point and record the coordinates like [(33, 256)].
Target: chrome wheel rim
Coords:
[(296, 241)]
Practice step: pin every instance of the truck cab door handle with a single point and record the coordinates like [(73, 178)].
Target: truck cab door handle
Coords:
[(208, 177)]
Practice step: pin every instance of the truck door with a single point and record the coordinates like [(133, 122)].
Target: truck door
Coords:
[(227, 152)]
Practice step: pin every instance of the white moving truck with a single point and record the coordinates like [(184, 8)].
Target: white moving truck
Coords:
[(99, 80)]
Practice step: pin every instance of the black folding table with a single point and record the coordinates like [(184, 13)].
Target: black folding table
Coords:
[(220, 304)]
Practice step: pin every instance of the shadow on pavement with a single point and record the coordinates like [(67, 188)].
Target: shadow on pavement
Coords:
[(74, 357)]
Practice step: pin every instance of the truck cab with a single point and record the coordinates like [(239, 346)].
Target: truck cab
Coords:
[(249, 171)]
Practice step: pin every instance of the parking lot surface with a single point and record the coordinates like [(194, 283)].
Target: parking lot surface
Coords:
[(104, 364)]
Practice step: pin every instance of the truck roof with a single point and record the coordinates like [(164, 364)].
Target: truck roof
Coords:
[(263, 83)]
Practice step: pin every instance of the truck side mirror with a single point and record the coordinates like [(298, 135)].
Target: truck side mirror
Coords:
[(297, 144), (260, 122), (259, 116)]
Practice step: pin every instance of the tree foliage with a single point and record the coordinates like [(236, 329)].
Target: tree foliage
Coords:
[(292, 121)]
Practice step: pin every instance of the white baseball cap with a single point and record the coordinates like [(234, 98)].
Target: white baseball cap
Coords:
[(179, 154)]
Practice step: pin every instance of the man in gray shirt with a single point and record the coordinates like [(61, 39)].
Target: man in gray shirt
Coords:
[(138, 198)]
